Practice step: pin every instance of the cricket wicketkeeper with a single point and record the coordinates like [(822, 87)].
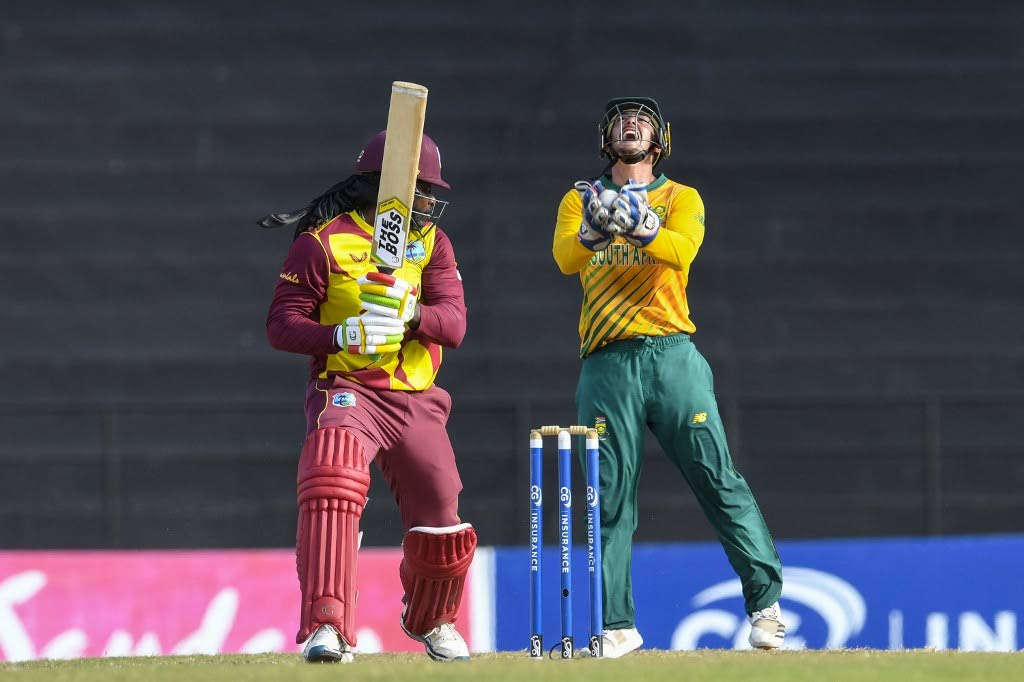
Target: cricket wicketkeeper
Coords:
[(375, 341), (631, 234)]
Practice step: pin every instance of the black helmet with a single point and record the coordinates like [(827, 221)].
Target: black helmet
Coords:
[(662, 131)]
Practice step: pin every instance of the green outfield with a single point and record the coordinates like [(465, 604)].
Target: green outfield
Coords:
[(648, 666)]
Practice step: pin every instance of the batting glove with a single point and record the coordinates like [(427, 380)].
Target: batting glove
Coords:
[(596, 199), (387, 295), (370, 334), (631, 214)]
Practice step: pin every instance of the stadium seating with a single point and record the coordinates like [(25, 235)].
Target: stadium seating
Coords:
[(858, 293)]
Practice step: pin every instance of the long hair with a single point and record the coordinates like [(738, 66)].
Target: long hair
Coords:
[(353, 193)]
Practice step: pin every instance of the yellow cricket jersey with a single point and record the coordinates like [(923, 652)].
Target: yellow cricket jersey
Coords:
[(630, 291), (346, 242)]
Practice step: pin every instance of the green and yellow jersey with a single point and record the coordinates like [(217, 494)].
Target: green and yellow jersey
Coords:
[(630, 291)]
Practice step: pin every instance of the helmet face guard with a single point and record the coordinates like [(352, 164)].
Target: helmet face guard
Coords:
[(423, 218), (643, 107)]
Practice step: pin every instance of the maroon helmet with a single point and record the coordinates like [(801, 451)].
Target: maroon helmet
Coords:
[(372, 158)]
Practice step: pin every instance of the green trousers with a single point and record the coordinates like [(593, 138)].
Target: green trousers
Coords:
[(665, 384)]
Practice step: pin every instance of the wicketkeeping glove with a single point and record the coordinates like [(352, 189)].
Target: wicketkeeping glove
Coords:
[(370, 334), (633, 216), (597, 200), (387, 295)]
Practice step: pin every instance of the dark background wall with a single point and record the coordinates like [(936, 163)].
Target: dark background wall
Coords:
[(859, 294)]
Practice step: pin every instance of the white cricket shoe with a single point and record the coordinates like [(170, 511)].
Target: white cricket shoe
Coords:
[(443, 643), (618, 643), (325, 645), (766, 628)]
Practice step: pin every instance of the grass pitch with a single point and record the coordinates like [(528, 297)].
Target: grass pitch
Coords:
[(856, 665)]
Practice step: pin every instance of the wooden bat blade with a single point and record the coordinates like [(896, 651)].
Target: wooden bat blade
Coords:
[(406, 114)]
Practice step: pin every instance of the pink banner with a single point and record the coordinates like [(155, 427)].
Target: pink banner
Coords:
[(75, 604)]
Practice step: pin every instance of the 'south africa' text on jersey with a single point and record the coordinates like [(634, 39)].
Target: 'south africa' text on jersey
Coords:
[(621, 254)]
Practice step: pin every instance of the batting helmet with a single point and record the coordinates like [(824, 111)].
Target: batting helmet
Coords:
[(642, 105), (371, 159)]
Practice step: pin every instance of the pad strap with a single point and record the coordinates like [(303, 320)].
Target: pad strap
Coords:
[(332, 484), (433, 573)]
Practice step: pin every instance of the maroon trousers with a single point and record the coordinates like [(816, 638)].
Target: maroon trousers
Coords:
[(404, 432)]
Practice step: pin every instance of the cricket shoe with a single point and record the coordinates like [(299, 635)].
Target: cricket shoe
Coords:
[(325, 645), (443, 643), (766, 628), (620, 642)]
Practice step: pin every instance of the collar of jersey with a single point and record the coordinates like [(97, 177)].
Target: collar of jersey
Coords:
[(606, 181), (358, 220)]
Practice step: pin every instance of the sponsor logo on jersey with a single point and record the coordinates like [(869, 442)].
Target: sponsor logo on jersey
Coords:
[(700, 417)]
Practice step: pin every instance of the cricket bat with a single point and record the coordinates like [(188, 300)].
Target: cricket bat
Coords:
[(398, 173)]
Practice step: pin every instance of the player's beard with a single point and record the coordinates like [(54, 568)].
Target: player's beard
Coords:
[(635, 151), (427, 216)]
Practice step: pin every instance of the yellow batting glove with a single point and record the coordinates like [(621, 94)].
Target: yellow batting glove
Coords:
[(387, 296)]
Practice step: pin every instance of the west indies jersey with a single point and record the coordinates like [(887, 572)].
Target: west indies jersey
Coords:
[(630, 291), (317, 290)]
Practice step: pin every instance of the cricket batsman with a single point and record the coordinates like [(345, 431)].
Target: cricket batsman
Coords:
[(631, 235), (375, 345)]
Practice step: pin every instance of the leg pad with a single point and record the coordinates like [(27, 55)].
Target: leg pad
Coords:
[(332, 484), (433, 571)]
